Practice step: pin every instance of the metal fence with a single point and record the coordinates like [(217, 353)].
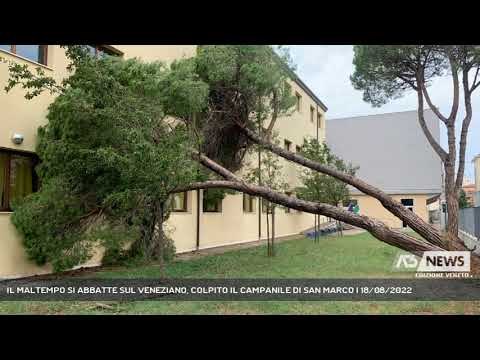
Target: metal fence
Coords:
[(469, 221)]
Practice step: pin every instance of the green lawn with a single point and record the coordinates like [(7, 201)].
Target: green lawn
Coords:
[(357, 256)]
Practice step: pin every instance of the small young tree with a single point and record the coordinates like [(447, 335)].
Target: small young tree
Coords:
[(271, 174), (320, 187)]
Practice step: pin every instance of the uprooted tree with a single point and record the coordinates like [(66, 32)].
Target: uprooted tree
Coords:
[(230, 97)]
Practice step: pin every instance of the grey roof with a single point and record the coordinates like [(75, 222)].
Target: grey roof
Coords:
[(391, 150)]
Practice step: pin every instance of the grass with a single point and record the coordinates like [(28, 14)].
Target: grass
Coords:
[(357, 256)]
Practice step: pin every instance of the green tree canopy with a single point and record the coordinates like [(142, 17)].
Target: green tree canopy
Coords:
[(108, 156), (319, 187)]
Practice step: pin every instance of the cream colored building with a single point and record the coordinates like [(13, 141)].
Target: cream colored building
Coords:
[(193, 227)]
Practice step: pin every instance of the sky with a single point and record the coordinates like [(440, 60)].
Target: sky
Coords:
[(326, 69)]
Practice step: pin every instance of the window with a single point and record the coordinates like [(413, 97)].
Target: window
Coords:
[(211, 203), (179, 202), (37, 53), (312, 113), (17, 177), (288, 145), (299, 101), (319, 120), (103, 50), (248, 203), (407, 202), (298, 148)]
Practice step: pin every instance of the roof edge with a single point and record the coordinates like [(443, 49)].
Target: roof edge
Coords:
[(380, 114), (300, 82), (309, 92)]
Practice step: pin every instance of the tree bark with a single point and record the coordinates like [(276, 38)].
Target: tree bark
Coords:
[(161, 236), (465, 125), (451, 194)]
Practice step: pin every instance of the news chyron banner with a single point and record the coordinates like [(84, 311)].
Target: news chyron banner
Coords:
[(241, 289), (435, 276)]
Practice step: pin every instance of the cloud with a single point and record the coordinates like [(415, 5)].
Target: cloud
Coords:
[(326, 69)]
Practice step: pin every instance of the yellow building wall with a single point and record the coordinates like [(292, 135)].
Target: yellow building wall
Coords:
[(231, 226), (370, 206), (18, 115)]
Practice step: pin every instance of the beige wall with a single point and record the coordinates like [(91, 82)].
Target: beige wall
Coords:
[(18, 115), (13, 259), (231, 226), (370, 206)]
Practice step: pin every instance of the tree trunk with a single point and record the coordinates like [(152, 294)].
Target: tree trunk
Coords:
[(273, 231), (142, 246), (160, 236), (451, 193)]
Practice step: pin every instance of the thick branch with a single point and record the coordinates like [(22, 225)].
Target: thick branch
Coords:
[(431, 105), (464, 133), (456, 90), (474, 83), (415, 222), (274, 116), (421, 119), (375, 227)]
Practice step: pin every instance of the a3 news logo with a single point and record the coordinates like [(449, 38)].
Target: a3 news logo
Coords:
[(434, 261)]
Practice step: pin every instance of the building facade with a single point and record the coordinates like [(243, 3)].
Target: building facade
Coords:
[(394, 155), (193, 225)]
